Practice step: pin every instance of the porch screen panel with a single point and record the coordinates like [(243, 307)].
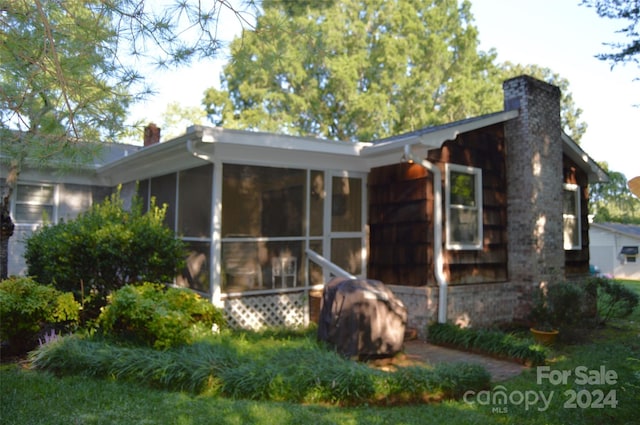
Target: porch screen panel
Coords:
[(263, 201), (194, 201), (163, 188), (346, 204), (316, 203), (195, 274), (347, 253)]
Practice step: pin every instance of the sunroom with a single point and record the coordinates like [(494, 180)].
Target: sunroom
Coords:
[(266, 218)]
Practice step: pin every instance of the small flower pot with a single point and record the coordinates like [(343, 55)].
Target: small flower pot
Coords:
[(544, 337)]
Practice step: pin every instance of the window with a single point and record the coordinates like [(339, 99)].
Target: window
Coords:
[(34, 203), (571, 217), (463, 199), (629, 254)]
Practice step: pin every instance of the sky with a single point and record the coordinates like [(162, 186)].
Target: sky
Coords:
[(556, 34)]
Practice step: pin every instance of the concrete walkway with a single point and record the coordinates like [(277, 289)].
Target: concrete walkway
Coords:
[(421, 351)]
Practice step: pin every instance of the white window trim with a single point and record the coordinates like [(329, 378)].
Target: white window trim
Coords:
[(576, 192), (477, 173)]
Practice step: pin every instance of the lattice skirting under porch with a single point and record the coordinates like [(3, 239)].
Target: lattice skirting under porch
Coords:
[(260, 311)]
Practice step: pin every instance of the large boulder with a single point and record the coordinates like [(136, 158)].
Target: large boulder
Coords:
[(361, 318)]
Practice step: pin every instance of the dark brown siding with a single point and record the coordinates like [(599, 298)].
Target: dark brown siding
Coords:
[(577, 261), (401, 211), (401, 230)]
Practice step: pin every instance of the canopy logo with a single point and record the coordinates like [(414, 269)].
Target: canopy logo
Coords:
[(500, 399)]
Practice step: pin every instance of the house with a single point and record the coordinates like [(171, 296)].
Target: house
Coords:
[(460, 220), (614, 249)]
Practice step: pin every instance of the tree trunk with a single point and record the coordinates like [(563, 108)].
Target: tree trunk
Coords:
[(6, 223), (6, 231)]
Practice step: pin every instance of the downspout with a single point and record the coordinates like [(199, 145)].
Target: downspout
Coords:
[(438, 266)]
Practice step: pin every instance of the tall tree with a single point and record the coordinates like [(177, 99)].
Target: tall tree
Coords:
[(613, 201), (67, 74), (626, 10), (355, 69)]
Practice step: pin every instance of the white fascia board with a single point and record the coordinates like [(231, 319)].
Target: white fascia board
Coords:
[(572, 150)]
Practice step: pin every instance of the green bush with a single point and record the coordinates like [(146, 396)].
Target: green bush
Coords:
[(487, 341), (614, 300), (559, 305), (157, 316), (27, 308), (104, 249)]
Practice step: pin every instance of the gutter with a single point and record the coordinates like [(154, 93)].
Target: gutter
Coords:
[(438, 266)]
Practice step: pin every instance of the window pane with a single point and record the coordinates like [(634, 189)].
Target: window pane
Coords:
[(569, 202), (571, 233), (346, 204), (316, 211), (464, 226), (263, 201), (194, 203), (35, 194), (164, 190), (33, 213), (34, 203), (347, 253), (196, 272), (462, 189)]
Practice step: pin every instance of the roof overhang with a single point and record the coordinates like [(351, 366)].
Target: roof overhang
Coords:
[(201, 144), (390, 150), (572, 150)]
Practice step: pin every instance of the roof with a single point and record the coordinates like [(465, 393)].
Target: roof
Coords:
[(629, 230), (427, 138)]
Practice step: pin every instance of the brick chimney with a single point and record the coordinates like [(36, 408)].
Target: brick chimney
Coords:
[(151, 134), (534, 175)]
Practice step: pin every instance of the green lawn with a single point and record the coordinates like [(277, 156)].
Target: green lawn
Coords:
[(33, 397)]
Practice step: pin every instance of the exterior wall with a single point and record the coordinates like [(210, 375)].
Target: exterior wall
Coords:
[(523, 172), (70, 200), (400, 225), (482, 149), (605, 253)]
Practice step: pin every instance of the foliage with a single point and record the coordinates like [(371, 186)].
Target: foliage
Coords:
[(268, 368), (104, 249), (26, 393), (487, 341), (615, 300), (612, 201), (157, 316), (27, 308), (354, 70), (558, 305), (629, 11)]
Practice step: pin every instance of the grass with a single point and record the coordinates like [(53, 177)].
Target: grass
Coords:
[(36, 397)]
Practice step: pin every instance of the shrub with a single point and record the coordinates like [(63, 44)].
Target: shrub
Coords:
[(614, 300), (104, 249), (295, 370), (160, 317), (487, 341), (27, 308), (558, 305)]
